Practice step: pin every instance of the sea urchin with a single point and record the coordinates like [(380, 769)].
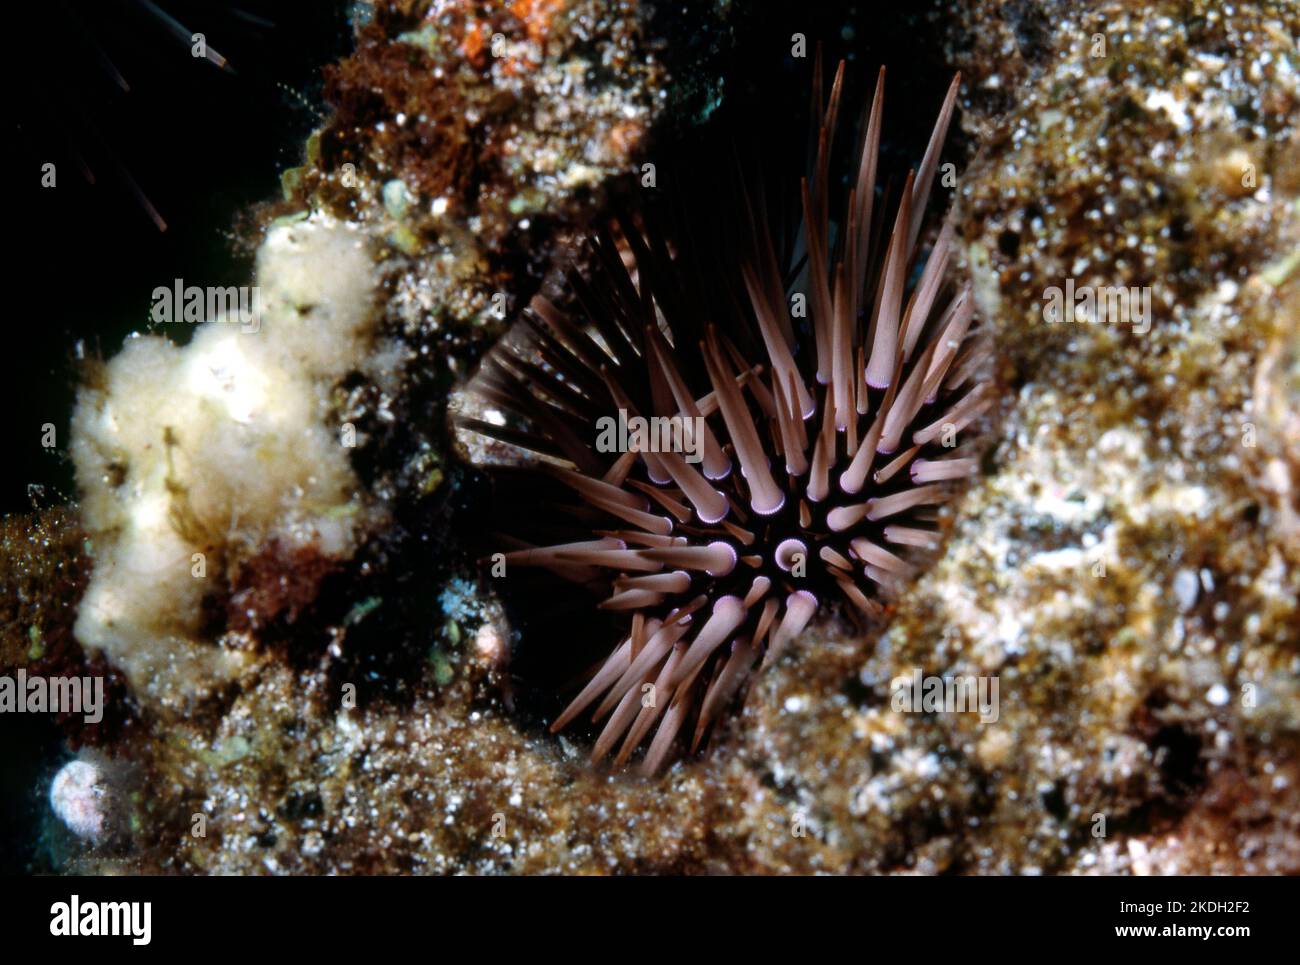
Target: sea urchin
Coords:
[(841, 419)]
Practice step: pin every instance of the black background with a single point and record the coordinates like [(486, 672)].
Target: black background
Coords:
[(201, 143)]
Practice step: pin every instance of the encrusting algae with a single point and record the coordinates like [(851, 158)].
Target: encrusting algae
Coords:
[(1124, 563)]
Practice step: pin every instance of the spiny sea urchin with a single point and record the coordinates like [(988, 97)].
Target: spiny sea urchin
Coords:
[(860, 398)]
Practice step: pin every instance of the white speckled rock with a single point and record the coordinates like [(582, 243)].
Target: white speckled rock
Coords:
[(79, 796)]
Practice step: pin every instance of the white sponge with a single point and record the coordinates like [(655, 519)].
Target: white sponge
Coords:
[(191, 460)]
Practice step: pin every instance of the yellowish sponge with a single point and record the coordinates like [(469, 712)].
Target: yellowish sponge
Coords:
[(190, 460)]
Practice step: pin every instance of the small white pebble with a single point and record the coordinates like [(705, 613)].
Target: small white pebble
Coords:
[(1186, 588), (78, 797)]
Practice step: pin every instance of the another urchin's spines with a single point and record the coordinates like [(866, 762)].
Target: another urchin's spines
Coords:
[(800, 460)]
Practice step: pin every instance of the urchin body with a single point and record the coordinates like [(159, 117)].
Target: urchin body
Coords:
[(815, 450)]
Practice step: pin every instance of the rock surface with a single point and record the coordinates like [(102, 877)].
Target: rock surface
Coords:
[(1125, 567)]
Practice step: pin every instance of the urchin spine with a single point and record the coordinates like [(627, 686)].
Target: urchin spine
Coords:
[(798, 487)]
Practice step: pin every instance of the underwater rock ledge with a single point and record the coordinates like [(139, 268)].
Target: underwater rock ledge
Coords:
[(1126, 565)]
